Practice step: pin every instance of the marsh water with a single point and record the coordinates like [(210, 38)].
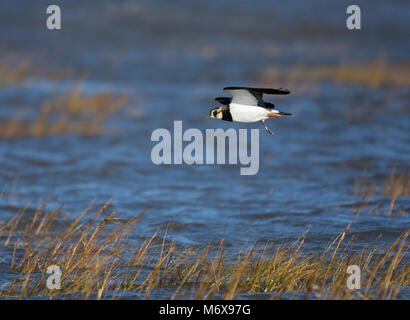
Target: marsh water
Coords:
[(173, 59)]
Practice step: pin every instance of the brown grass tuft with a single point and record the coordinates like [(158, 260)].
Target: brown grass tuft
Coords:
[(395, 185), (70, 113), (14, 69), (373, 74)]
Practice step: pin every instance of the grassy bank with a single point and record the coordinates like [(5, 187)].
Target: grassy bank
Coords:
[(100, 257)]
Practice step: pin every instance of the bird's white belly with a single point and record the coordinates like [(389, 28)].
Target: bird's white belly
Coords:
[(245, 113)]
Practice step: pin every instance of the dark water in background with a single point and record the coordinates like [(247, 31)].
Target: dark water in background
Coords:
[(177, 56)]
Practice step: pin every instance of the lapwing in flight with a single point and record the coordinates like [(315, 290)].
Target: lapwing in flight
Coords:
[(247, 105)]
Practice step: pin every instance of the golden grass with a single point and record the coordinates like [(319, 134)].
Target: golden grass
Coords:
[(71, 113), (373, 74), (16, 70), (395, 185), (99, 259), (13, 72)]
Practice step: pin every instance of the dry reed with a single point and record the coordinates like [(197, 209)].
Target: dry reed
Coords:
[(395, 185), (15, 69), (71, 113), (373, 74)]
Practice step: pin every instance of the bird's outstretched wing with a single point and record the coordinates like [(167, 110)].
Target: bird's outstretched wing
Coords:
[(226, 100), (252, 96)]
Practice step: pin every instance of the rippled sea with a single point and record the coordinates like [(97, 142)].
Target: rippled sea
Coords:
[(173, 59)]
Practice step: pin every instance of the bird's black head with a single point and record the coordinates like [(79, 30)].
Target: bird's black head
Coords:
[(216, 113), (221, 113)]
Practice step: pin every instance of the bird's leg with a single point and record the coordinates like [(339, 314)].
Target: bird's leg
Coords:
[(266, 128)]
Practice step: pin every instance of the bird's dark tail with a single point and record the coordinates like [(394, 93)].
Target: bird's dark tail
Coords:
[(278, 114), (284, 113)]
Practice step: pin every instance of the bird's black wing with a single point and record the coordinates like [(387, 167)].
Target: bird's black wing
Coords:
[(252, 96), (269, 105), (224, 100), (241, 95), (261, 90)]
